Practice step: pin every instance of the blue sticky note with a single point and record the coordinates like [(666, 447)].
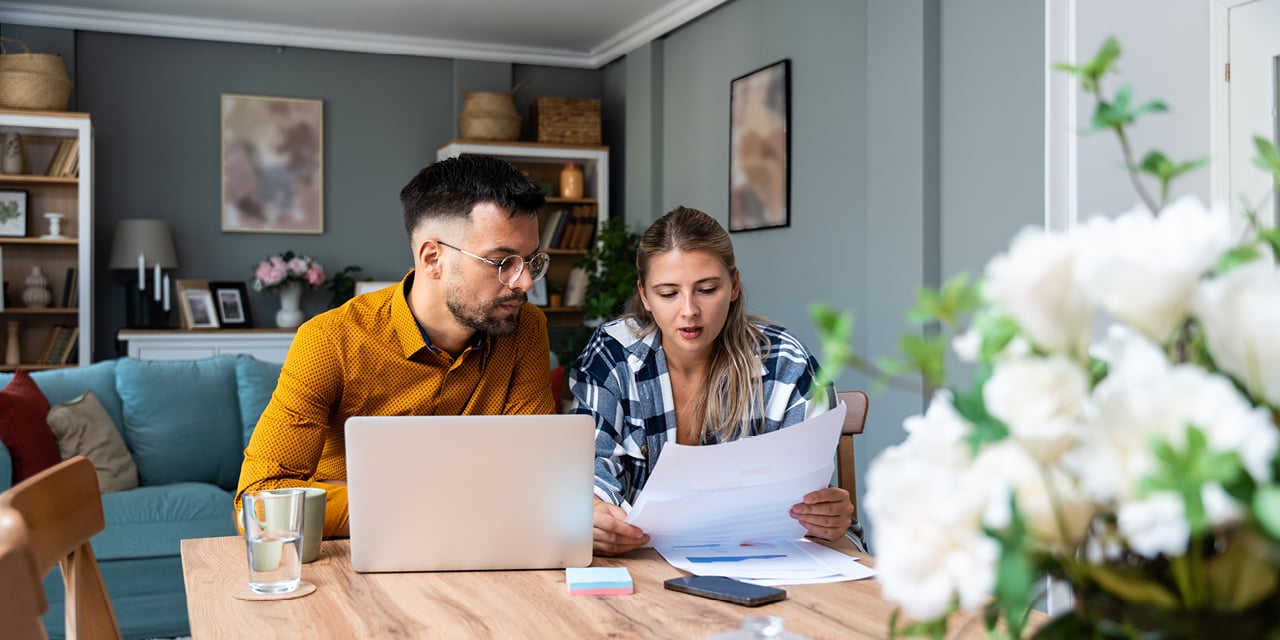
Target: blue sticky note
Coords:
[(598, 581)]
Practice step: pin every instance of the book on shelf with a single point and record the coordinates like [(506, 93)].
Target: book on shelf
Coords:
[(71, 164), (69, 288), (59, 156), (58, 344), (550, 228)]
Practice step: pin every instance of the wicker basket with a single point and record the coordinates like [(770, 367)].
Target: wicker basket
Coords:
[(567, 120), (489, 116), (35, 81)]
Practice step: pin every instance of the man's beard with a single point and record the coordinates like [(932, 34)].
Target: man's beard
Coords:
[(484, 317)]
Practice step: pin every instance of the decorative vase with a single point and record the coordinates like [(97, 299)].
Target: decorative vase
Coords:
[(37, 293), (571, 181), (55, 225), (290, 313), (12, 162), (12, 354)]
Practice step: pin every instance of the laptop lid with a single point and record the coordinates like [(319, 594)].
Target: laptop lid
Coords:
[(463, 493)]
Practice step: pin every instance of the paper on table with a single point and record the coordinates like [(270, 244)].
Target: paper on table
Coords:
[(772, 564), (737, 491)]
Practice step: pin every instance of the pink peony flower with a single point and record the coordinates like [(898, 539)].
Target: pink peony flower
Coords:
[(287, 267)]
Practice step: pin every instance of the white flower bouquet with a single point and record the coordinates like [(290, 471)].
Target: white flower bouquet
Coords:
[(1119, 434)]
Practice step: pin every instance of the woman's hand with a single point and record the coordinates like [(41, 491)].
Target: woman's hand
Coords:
[(825, 513), (611, 535)]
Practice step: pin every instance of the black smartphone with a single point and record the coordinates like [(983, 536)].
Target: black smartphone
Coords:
[(727, 589)]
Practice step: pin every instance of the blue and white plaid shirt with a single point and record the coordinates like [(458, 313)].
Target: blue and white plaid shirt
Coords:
[(621, 380)]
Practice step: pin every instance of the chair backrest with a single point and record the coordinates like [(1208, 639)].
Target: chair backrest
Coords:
[(855, 418), (61, 509), (24, 601)]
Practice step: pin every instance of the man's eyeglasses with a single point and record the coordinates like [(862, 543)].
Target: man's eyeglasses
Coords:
[(510, 267)]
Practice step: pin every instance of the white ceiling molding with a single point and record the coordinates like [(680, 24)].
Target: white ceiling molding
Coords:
[(656, 25), (653, 26)]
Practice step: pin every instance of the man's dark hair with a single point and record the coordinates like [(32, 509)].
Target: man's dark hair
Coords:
[(451, 188)]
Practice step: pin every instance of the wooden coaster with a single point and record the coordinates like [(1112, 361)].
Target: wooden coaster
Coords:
[(243, 592)]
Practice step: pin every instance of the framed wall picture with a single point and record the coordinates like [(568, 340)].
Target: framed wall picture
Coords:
[(232, 302), (272, 164), (760, 149), (13, 212)]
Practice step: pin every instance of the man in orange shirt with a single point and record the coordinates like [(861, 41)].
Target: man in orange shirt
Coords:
[(455, 337)]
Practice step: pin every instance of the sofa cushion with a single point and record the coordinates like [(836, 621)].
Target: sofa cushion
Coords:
[(83, 428), (182, 419), (23, 428), (61, 385), (256, 381), (150, 521)]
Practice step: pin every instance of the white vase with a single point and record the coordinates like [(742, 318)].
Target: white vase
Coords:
[(37, 294), (290, 313), (12, 162)]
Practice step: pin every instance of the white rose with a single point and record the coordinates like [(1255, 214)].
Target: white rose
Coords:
[(1054, 510), (1144, 398), (1155, 525), (927, 505), (1241, 313), (1143, 269), (1034, 283), (1040, 400), (968, 345)]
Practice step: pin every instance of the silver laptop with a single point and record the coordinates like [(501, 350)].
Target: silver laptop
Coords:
[(463, 493)]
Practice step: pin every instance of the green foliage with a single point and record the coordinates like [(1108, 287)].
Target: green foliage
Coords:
[(972, 407), (611, 271), (342, 285), (835, 335), (8, 211), (1268, 158), (1266, 507), (1015, 572), (1160, 167), (1115, 115), (948, 304), (1186, 472), (935, 629), (1091, 72)]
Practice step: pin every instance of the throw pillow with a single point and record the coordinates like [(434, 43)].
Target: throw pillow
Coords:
[(23, 429), (83, 428)]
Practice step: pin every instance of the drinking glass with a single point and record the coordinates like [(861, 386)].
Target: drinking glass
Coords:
[(273, 539)]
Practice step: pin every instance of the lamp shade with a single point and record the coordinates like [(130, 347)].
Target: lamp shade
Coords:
[(146, 236)]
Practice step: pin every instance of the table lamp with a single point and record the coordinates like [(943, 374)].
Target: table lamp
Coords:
[(144, 246)]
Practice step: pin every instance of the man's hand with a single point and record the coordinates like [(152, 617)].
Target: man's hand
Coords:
[(825, 513), (611, 535)]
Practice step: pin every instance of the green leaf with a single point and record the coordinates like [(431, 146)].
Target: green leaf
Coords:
[(972, 407), (1237, 256), (997, 331), (1237, 578), (926, 354), (1130, 584), (1266, 508), (1268, 158), (1186, 472)]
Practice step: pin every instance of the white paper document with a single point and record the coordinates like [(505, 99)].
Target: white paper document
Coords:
[(740, 491), (770, 564)]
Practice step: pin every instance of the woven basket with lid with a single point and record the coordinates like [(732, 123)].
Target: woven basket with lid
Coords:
[(488, 115), (34, 81)]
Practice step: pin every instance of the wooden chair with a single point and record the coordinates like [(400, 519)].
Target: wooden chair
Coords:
[(855, 418), (60, 509), (21, 608)]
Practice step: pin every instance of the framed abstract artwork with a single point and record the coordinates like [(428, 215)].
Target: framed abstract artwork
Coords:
[(760, 148), (272, 164)]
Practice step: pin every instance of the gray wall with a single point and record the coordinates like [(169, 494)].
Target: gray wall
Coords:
[(917, 150), (155, 108)]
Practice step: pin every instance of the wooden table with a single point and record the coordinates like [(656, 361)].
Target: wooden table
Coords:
[(502, 604)]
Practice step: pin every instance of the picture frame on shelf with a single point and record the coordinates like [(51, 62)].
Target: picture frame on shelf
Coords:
[(197, 304), (538, 294), (367, 286), (232, 302), (181, 287), (13, 213), (760, 148), (272, 164)]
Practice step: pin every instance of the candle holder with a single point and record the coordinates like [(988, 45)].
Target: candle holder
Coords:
[(142, 310)]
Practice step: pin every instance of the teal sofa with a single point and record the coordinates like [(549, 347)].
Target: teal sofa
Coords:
[(186, 424)]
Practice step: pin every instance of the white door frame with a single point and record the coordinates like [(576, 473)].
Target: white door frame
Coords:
[(1220, 104), (1061, 119)]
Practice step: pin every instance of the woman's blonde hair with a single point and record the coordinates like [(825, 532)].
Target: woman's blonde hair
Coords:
[(733, 387)]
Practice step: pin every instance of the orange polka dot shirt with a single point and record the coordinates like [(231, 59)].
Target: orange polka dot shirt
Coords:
[(368, 357)]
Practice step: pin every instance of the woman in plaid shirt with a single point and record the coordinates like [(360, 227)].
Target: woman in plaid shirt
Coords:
[(688, 364)]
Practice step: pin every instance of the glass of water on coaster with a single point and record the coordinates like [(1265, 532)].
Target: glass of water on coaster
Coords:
[(273, 539)]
